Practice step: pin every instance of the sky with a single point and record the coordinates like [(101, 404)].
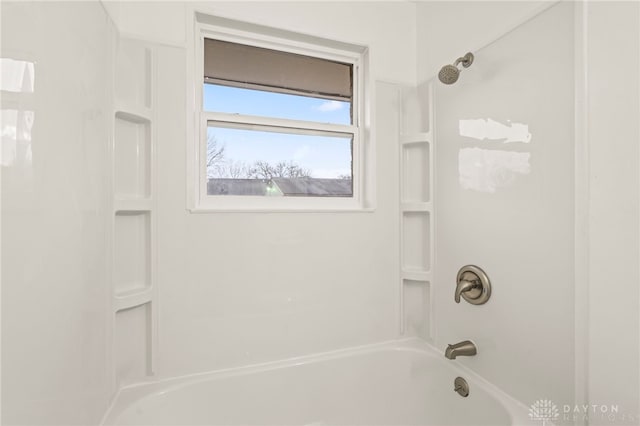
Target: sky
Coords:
[(326, 157)]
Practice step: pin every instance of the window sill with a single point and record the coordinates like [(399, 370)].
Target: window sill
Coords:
[(239, 204), (200, 210)]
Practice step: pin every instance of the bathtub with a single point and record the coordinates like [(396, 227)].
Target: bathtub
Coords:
[(396, 383)]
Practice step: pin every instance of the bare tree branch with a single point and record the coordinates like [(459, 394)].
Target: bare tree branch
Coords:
[(215, 156), (219, 167)]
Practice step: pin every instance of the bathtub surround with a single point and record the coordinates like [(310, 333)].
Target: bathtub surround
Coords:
[(535, 180), (611, 343), (55, 279), (521, 232), (246, 288), (594, 324)]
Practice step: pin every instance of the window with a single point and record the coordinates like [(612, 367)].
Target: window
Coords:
[(280, 121)]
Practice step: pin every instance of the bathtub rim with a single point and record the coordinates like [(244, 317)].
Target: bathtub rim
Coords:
[(130, 394)]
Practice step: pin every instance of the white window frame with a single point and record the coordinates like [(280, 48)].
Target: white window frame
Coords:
[(258, 36)]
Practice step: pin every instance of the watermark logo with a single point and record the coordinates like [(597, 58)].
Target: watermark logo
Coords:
[(544, 410), (547, 412)]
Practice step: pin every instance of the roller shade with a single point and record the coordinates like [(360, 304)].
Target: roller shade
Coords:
[(239, 65)]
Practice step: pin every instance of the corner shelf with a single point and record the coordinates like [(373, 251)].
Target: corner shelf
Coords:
[(416, 207), (131, 299), (124, 205), (416, 219), (416, 138), (134, 115), (416, 275), (133, 237)]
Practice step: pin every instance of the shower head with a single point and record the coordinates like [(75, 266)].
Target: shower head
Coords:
[(449, 73)]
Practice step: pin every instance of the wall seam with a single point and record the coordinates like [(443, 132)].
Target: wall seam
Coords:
[(581, 209)]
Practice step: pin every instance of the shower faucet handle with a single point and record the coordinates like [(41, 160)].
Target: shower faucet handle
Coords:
[(473, 285), (464, 286)]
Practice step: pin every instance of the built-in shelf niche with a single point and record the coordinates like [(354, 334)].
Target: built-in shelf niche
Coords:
[(416, 240), (416, 211), (132, 73), (415, 175), (417, 308), (132, 234), (132, 152), (134, 293), (133, 344)]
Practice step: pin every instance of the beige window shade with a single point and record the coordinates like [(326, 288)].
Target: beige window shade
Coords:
[(239, 65)]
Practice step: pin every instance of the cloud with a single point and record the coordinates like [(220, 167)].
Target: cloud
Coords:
[(329, 106)]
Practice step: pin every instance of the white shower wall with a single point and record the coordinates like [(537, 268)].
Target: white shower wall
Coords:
[(241, 288), (558, 235), (55, 281), (610, 190), (504, 202), (578, 319)]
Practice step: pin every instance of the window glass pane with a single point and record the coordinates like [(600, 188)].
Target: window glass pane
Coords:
[(278, 105), (269, 163)]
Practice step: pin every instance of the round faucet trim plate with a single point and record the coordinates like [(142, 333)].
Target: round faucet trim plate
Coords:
[(482, 292)]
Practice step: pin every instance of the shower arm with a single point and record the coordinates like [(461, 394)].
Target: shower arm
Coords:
[(465, 60)]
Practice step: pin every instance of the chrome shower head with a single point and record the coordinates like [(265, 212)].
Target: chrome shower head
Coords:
[(449, 73)]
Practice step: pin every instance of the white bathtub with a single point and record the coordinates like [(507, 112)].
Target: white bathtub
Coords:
[(396, 383)]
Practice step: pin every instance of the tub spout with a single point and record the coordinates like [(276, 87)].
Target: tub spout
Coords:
[(466, 348)]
